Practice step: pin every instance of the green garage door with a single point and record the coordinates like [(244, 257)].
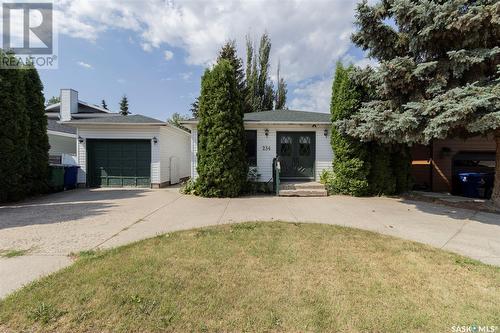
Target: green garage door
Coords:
[(118, 163)]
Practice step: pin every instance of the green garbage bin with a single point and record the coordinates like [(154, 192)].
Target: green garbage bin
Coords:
[(56, 178)]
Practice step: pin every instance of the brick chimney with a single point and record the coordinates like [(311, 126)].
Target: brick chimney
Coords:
[(69, 104)]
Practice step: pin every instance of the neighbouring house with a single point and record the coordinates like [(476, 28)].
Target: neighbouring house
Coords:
[(300, 139), (114, 150), (62, 138), (435, 167), (130, 151)]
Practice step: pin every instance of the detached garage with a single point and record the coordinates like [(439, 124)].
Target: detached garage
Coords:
[(130, 151)]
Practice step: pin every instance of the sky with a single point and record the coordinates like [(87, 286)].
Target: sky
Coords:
[(155, 51)]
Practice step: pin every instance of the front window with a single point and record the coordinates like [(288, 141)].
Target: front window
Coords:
[(251, 147)]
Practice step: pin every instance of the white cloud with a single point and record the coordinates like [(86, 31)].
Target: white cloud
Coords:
[(186, 76), (84, 65), (147, 47), (168, 55), (308, 38), (312, 96)]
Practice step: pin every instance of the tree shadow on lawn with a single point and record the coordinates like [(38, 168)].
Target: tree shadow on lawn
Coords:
[(63, 206), (454, 212)]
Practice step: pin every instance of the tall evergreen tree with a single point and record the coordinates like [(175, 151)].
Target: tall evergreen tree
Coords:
[(439, 75), (124, 106), (351, 165), (281, 91), (230, 53), (222, 168), (38, 140), (14, 133), (104, 105)]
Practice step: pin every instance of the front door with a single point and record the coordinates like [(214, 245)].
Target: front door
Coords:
[(297, 152)]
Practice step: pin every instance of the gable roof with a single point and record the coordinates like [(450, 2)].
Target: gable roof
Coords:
[(287, 116), (135, 119)]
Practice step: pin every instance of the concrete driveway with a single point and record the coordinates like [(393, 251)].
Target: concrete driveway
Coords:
[(53, 226)]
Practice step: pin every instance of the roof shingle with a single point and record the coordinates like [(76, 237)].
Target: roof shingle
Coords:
[(288, 116), (130, 119)]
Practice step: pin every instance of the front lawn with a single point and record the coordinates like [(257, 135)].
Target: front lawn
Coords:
[(261, 277)]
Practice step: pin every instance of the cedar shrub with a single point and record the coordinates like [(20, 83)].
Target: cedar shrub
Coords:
[(222, 166)]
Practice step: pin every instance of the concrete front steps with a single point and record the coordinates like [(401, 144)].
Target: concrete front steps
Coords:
[(302, 189)]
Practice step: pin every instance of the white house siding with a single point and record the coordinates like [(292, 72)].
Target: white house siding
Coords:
[(266, 148), (174, 142), (102, 132)]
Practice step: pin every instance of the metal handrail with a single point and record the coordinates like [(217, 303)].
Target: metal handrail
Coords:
[(277, 169)]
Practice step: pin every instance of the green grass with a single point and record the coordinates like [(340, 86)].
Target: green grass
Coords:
[(261, 277), (13, 253)]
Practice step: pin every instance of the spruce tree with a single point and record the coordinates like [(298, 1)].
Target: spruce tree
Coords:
[(38, 140), (230, 53), (439, 74), (222, 167), (14, 134), (124, 106)]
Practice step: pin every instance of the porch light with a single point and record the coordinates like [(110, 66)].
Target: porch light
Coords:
[(325, 132), (266, 132), (155, 140), (80, 139)]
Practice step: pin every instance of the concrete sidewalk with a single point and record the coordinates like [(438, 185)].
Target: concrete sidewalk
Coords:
[(56, 225)]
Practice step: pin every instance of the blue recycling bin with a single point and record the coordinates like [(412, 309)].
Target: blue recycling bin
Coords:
[(476, 184), (70, 176)]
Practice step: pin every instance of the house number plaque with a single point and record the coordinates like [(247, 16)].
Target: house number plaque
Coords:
[(266, 148)]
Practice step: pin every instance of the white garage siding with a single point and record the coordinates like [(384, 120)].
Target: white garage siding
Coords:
[(174, 142), (125, 132), (194, 153), (266, 148)]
